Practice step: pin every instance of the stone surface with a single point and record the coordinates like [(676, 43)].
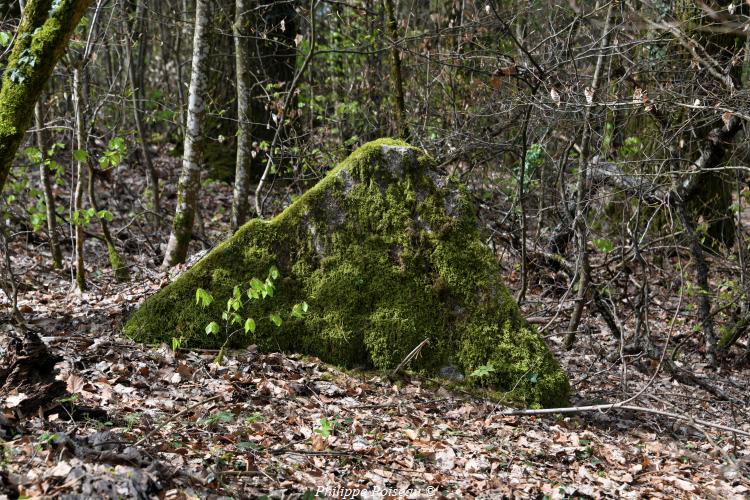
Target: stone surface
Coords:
[(387, 253)]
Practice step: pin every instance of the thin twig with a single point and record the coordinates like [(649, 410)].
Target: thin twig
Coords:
[(175, 416), (612, 406), (413, 354)]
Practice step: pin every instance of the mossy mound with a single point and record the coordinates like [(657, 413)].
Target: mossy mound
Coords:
[(387, 253)]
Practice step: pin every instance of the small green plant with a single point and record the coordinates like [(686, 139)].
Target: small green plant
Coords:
[(603, 244), (232, 317), (483, 371), (177, 343), (47, 437), (224, 417), (131, 419), (255, 418), (84, 217), (631, 147), (36, 208), (69, 399), (534, 160), (326, 427), (114, 153)]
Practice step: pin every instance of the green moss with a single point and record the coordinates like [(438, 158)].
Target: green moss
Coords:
[(387, 255), (119, 268), (221, 160), (40, 40), (81, 281), (712, 204)]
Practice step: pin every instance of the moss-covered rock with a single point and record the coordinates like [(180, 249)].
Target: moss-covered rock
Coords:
[(387, 253)]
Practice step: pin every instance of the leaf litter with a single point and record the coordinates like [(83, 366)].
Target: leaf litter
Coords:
[(177, 425)]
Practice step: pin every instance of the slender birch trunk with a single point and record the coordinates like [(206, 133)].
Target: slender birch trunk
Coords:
[(189, 183)]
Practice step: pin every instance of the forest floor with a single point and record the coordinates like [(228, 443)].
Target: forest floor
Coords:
[(178, 425)]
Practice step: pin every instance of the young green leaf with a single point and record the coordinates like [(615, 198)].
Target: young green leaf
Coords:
[(79, 155), (213, 328), (273, 273), (275, 319), (603, 245), (104, 214), (33, 154), (299, 310), (482, 371), (250, 325), (256, 284), (324, 428), (203, 297)]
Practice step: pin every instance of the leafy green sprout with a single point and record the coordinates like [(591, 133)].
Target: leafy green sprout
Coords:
[(68, 399), (224, 417), (255, 418), (111, 157), (38, 212), (177, 343), (49, 437), (483, 371), (234, 321), (131, 419), (326, 427)]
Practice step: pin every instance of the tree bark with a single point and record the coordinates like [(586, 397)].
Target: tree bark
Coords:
[(579, 221), (136, 94), (81, 171), (42, 143), (240, 201), (189, 183), (397, 81), (42, 37)]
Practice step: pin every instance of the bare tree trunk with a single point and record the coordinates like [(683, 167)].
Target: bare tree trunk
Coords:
[(7, 276), (397, 81), (240, 201), (46, 183), (80, 87), (136, 93), (290, 92), (189, 182), (521, 204), (81, 170), (701, 278), (583, 269)]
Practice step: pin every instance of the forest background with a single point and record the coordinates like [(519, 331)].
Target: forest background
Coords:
[(603, 142)]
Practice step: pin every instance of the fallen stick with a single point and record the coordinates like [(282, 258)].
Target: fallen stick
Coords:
[(614, 406)]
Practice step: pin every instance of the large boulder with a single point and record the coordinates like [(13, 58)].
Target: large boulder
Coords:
[(387, 253)]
